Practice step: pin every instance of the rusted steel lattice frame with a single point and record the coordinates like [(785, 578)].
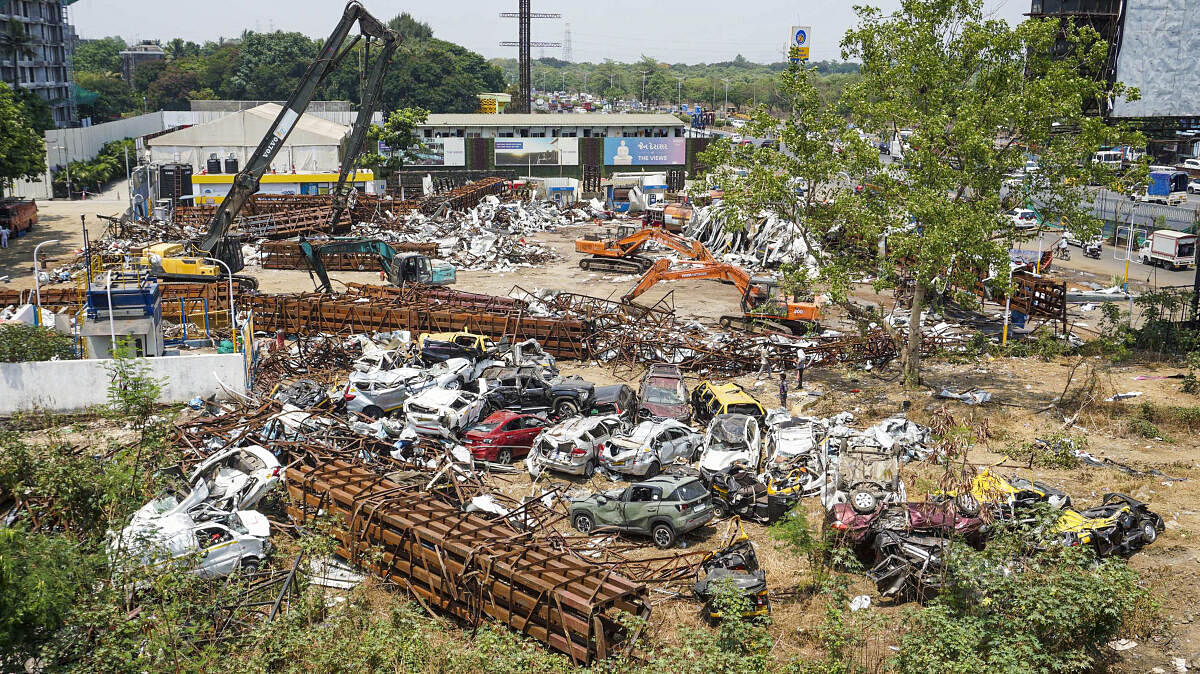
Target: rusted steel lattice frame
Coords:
[(466, 566)]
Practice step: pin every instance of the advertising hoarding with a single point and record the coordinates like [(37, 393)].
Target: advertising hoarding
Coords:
[(441, 152), (645, 151), (537, 151)]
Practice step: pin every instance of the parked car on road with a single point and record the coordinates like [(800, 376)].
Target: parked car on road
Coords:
[(729, 440), (573, 446), (503, 436), (664, 394), (444, 412), (662, 507), (651, 445)]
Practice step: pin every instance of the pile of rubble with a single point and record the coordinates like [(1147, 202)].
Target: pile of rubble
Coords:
[(768, 241)]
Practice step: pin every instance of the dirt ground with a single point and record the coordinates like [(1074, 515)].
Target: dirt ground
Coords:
[(1020, 387)]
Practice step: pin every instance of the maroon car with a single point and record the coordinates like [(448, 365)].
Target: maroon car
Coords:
[(663, 394), (857, 529), (503, 436)]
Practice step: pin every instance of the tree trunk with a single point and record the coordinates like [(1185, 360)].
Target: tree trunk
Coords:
[(912, 350)]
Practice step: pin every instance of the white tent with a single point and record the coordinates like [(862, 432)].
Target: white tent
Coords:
[(313, 146)]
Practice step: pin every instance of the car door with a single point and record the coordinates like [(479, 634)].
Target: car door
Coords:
[(524, 431), (674, 446), (535, 392), (642, 506), (610, 512), (219, 550)]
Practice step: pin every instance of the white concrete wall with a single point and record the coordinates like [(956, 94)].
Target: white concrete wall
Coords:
[(73, 385)]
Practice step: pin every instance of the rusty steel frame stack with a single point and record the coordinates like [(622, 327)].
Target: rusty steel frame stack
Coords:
[(462, 198), (287, 255), (319, 313), (462, 564)]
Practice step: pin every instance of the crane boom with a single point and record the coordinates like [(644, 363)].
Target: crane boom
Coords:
[(662, 271), (246, 183)]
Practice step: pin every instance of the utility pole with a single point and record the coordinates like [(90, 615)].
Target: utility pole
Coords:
[(524, 44), (725, 112), (564, 81), (678, 93), (644, 73)]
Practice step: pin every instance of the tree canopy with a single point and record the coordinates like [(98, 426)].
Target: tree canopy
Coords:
[(22, 152)]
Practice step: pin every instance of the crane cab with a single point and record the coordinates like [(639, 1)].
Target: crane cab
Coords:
[(765, 299)]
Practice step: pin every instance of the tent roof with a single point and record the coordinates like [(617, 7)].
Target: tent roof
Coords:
[(247, 128)]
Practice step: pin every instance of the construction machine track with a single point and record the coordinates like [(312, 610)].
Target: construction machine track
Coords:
[(635, 264)]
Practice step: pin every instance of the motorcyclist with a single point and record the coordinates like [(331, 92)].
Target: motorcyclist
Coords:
[(1093, 249)]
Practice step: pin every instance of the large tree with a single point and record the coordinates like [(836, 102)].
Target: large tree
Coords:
[(980, 97), (115, 99), (99, 56), (269, 66), (22, 151), (399, 134)]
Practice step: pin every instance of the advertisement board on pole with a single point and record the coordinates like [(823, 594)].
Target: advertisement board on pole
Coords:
[(645, 151), (799, 42), (537, 151)]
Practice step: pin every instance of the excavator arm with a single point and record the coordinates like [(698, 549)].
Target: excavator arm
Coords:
[(246, 183), (313, 254), (632, 244), (662, 271)]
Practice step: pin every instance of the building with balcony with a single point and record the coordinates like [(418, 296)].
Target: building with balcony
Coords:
[(138, 54), (43, 53)]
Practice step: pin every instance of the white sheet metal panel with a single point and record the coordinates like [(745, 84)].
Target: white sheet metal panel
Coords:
[(1158, 56)]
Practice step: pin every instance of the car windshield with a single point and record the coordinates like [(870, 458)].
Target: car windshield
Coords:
[(689, 491), (487, 427), (744, 408), (164, 503), (728, 435), (663, 396)]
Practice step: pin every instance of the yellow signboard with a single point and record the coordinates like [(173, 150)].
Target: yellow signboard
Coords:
[(798, 53), (487, 106)]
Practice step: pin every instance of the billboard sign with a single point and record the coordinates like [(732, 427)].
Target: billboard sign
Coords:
[(798, 47), (1155, 37), (537, 151), (440, 152), (645, 151)]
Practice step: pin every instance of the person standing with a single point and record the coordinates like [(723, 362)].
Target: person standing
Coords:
[(4, 236), (763, 366), (783, 389)]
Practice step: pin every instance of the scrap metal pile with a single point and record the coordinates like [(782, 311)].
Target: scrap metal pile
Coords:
[(766, 242)]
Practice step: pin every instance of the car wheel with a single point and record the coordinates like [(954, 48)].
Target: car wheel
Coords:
[(720, 512), (967, 505), (373, 411), (1149, 533), (663, 535), (566, 408), (453, 385), (583, 523), (504, 456), (863, 501), (654, 469), (589, 468), (248, 565)]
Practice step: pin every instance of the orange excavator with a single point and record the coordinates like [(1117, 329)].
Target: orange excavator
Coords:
[(621, 254), (763, 303)]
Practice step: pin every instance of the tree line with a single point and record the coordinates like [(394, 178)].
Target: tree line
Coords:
[(425, 72), (670, 83)]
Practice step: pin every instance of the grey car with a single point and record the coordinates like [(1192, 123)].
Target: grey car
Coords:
[(662, 507)]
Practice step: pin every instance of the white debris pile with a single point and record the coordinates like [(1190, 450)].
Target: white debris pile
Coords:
[(492, 236), (766, 241)]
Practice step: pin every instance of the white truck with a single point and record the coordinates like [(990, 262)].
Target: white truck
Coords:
[(1169, 248)]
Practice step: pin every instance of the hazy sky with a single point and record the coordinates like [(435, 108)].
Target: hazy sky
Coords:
[(674, 31)]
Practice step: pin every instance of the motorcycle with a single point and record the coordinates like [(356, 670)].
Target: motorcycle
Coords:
[(736, 491), (1093, 251)]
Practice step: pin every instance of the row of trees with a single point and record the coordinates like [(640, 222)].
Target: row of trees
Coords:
[(703, 83), (22, 152), (980, 97), (425, 72)]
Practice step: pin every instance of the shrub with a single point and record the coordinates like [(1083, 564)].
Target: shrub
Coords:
[(1021, 605), (21, 343), (1056, 450)]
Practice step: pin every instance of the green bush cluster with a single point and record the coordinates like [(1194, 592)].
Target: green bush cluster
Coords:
[(21, 343), (108, 165), (1056, 450)]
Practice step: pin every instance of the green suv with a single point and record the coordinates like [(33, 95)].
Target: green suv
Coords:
[(662, 507)]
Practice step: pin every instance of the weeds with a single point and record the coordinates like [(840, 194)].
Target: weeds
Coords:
[(1056, 450)]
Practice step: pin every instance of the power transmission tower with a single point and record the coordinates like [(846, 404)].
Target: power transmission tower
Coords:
[(524, 45), (568, 56)]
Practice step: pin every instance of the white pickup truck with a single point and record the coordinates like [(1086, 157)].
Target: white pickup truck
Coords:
[(1169, 248)]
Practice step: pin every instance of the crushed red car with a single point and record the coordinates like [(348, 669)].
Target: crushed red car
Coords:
[(503, 436), (663, 393)]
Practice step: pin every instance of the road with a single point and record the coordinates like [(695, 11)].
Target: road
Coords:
[(1112, 265)]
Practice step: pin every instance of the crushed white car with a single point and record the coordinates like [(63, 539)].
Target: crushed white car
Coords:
[(731, 439), (212, 547), (233, 479), (444, 412), (651, 445), (572, 446)]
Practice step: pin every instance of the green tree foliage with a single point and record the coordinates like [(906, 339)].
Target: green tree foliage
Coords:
[(408, 28), (1049, 612), (436, 75), (94, 174), (36, 110), (978, 95), (270, 66), (22, 152), (99, 56), (397, 133), (145, 73), (180, 49), (116, 97), (40, 577), (21, 343)]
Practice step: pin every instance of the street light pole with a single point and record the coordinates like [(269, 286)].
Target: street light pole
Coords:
[(232, 308), (644, 73), (679, 93), (725, 112), (37, 286)]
